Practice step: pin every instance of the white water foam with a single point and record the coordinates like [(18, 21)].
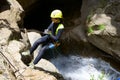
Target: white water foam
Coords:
[(79, 68)]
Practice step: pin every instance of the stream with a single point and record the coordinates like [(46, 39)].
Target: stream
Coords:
[(76, 67), (80, 68)]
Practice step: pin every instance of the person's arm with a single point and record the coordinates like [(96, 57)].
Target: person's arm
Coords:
[(48, 30), (50, 26), (57, 36)]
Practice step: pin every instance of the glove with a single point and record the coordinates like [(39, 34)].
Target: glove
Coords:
[(26, 53), (46, 31)]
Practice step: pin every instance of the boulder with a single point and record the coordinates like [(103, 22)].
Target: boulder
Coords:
[(106, 39)]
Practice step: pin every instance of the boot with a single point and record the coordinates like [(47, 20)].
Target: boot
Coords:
[(26, 53)]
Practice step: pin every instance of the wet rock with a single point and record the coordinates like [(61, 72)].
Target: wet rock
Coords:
[(106, 39)]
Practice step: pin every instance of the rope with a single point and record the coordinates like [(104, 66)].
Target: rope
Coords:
[(16, 70)]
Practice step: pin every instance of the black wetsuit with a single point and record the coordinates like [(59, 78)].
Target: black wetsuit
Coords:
[(47, 41)]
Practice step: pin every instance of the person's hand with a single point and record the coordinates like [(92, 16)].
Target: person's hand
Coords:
[(46, 31)]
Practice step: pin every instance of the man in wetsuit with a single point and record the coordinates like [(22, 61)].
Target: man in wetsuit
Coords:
[(51, 39)]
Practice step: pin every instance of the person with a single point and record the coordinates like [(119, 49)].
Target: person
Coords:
[(52, 37)]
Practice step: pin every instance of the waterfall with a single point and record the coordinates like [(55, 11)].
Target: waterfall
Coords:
[(80, 68), (76, 67)]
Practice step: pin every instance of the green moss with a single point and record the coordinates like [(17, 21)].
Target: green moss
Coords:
[(90, 30), (100, 77), (93, 28), (101, 27)]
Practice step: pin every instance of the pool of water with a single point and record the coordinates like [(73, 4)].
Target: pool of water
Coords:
[(81, 68)]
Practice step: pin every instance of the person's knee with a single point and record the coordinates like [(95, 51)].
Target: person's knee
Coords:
[(39, 41), (46, 48)]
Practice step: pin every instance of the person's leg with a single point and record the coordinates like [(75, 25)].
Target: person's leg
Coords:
[(36, 43), (41, 52)]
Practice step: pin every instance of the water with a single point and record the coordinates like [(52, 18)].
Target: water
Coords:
[(79, 68)]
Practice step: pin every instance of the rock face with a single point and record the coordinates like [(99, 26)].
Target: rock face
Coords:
[(107, 38), (100, 17), (13, 41), (26, 3), (12, 15), (96, 13)]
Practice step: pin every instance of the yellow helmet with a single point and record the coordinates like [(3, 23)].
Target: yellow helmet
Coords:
[(56, 14)]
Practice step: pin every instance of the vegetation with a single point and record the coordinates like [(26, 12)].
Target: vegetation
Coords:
[(100, 77)]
